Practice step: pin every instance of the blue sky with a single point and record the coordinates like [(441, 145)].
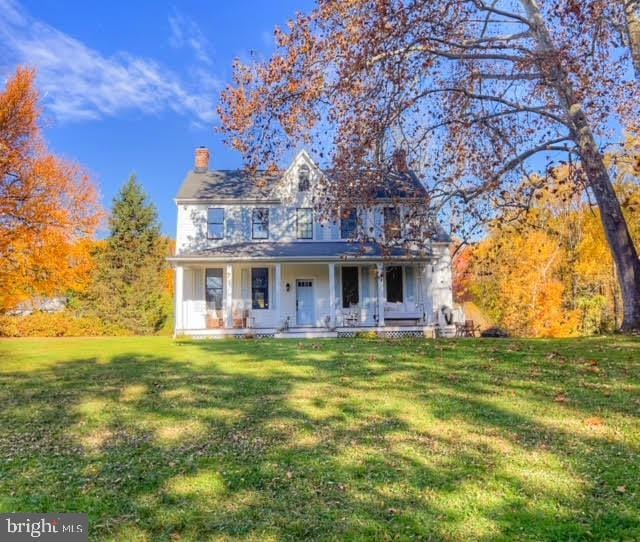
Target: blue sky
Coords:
[(133, 86)]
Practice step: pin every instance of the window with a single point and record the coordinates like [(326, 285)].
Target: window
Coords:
[(304, 175), (391, 223), (348, 223), (350, 295), (394, 284), (304, 223), (213, 289), (260, 287), (215, 223), (260, 223)]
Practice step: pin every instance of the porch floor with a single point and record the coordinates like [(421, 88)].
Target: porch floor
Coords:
[(310, 332)]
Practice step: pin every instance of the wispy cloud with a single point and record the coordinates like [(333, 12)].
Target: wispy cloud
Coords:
[(80, 83), (185, 32)]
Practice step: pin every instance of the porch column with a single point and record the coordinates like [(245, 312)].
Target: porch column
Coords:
[(278, 293), (178, 326), (380, 273), (332, 295), (427, 292), (229, 296)]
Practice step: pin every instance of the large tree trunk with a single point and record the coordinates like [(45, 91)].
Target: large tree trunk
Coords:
[(613, 220), (632, 16)]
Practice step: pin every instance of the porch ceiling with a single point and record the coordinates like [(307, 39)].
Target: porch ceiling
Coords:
[(302, 251)]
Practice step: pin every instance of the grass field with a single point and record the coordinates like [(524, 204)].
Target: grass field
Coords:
[(327, 440)]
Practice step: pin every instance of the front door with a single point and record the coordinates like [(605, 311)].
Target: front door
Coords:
[(304, 302)]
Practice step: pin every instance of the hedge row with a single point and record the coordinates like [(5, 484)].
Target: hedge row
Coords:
[(59, 324)]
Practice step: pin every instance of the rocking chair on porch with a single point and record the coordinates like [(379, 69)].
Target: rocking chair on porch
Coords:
[(350, 317), (214, 321), (241, 319)]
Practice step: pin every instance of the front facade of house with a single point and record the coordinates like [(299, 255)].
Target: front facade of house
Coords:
[(254, 257)]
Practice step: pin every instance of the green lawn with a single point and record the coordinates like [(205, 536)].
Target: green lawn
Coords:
[(328, 440)]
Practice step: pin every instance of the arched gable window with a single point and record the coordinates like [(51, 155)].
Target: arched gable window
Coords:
[(304, 174)]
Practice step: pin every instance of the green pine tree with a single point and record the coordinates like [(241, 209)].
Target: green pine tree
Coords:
[(128, 290)]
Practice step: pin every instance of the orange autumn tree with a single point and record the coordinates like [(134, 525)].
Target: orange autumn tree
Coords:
[(49, 207), (550, 273)]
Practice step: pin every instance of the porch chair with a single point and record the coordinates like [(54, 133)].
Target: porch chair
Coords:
[(350, 317), (213, 320), (241, 318), (470, 329)]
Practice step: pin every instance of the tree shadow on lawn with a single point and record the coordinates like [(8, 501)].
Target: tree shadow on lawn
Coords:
[(320, 441)]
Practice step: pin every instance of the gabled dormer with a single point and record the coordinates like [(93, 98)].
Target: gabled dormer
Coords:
[(299, 182)]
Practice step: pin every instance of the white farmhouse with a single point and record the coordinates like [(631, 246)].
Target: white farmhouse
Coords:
[(254, 257)]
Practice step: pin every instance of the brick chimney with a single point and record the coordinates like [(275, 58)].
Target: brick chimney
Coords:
[(202, 159), (400, 161)]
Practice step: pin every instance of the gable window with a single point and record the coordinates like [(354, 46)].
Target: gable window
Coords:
[(350, 296), (391, 223), (304, 223), (213, 289), (260, 223), (304, 175), (348, 223), (260, 287), (215, 223), (394, 284)]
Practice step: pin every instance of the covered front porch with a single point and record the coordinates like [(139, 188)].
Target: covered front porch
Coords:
[(303, 298)]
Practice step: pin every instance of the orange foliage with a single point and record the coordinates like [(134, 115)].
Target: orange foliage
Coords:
[(550, 273), (170, 280), (49, 206)]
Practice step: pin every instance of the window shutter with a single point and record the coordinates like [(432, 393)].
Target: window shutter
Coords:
[(245, 288), (335, 229), (246, 223), (410, 277), (364, 276), (377, 223), (275, 223), (272, 288), (230, 223), (289, 226)]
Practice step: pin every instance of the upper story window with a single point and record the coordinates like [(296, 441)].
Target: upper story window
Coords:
[(304, 223), (392, 223), (304, 175), (215, 223), (260, 223), (348, 223)]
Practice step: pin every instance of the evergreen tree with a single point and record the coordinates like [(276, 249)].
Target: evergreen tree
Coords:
[(128, 290)]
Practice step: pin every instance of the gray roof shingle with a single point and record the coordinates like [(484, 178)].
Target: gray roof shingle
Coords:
[(226, 184), (241, 184)]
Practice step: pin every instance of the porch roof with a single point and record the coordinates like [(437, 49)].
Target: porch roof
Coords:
[(302, 251)]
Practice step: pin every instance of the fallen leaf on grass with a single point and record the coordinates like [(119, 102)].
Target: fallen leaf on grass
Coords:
[(621, 489), (594, 422)]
